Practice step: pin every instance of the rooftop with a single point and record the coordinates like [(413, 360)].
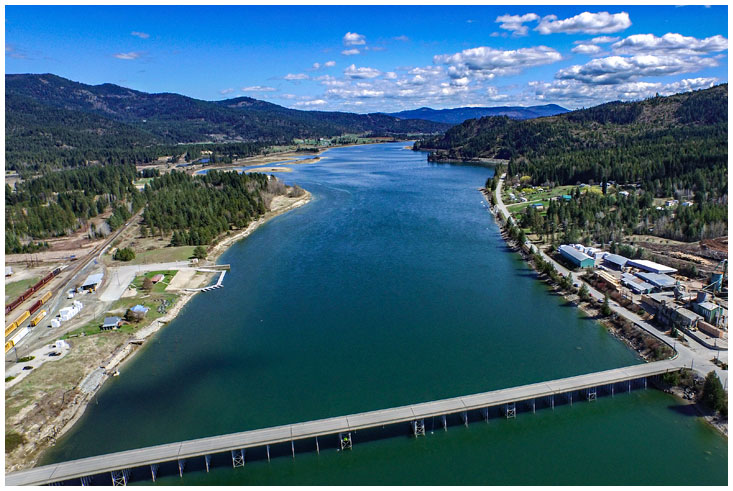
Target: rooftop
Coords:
[(573, 252), (656, 279), (615, 259), (93, 279), (710, 306), (650, 266)]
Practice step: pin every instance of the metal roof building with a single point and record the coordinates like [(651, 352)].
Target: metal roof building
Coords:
[(615, 261), (111, 322), (92, 281), (576, 257), (650, 266), (636, 284), (661, 281)]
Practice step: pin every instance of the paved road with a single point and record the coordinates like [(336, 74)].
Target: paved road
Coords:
[(695, 354), (331, 426)]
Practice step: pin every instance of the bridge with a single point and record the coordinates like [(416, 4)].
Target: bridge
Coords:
[(117, 466)]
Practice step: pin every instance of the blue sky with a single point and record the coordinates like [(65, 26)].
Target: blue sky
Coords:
[(378, 58)]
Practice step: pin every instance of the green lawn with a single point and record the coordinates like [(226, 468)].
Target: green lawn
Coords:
[(158, 287), (119, 308), (142, 181), (14, 289)]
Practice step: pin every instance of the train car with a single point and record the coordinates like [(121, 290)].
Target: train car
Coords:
[(30, 291), (9, 345), (46, 297), (9, 330), (16, 324), (38, 318), (35, 307), (20, 335)]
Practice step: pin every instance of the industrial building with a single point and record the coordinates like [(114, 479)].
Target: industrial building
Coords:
[(92, 282), (576, 257), (635, 284), (658, 280), (614, 261), (650, 266)]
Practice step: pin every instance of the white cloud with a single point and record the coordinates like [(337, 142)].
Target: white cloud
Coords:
[(587, 49), (329, 64), (354, 39), (601, 40), (494, 95), (316, 66), (315, 102), (515, 23), (141, 35), (589, 23), (390, 75), (132, 55), (296, 76), (287, 96), (670, 43), (258, 88), (361, 72), (617, 69), (485, 62), (577, 94), (350, 52), (226, 91), (402, 38)]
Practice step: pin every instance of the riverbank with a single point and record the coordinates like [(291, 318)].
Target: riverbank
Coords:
[(49, 414), (646, 346)]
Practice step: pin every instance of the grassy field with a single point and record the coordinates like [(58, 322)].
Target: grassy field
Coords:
[(162, 255), (152, 300), (14, 289)]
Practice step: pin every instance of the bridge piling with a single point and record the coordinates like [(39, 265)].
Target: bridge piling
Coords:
[(345, 441), (511, 410), (292, 447), (207, 460), (464, 415), (181, 465), (318, 450), (445, 422), (533, 406), (485, 412), (87, 480), (154, 471), (237, 458)]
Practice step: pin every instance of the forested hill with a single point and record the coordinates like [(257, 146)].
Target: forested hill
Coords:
[(56, 121), (662, 143), (460, 114)]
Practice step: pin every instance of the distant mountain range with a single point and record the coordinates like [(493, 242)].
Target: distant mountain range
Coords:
[(51, 118), (460, 114)]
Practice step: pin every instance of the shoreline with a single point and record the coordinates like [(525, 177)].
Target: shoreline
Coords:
[(77, 406), (613, 330)]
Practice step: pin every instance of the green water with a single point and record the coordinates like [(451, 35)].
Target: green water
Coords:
[(391, 287)]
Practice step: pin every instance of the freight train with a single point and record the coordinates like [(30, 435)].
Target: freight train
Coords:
[(30, 291), (37, 305)]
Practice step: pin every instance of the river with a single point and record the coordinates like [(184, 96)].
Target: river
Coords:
[(393, 286)]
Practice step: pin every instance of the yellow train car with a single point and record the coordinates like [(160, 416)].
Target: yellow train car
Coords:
[(9, 345), (16, 324), (38, 318), (46, 297)]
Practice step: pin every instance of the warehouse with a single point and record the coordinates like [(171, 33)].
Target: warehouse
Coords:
[(635, 284), (111, 323), (614, 261), (650, 266), (659, 281), (576, 257)]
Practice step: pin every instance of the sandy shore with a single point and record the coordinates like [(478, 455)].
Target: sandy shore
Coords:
[(76, 406)]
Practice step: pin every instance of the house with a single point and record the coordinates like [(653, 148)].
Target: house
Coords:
[(575, 257), (111, 323), (566, 197), (158, 277), (92, 282), (538, 206)]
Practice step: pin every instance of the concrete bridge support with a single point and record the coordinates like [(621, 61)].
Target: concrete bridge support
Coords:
[(237, 458)]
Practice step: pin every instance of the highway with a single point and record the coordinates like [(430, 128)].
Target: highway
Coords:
[(330, 426)]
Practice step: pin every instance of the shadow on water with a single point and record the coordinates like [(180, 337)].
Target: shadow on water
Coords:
[(684, 409)]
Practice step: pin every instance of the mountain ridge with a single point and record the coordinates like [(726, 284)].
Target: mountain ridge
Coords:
[(458, 115)]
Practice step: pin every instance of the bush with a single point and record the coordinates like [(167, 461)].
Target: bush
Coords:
[(13, 441), (125, 254), (148, 284)]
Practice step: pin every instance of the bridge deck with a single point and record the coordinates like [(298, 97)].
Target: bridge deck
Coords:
[(268, 436)]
